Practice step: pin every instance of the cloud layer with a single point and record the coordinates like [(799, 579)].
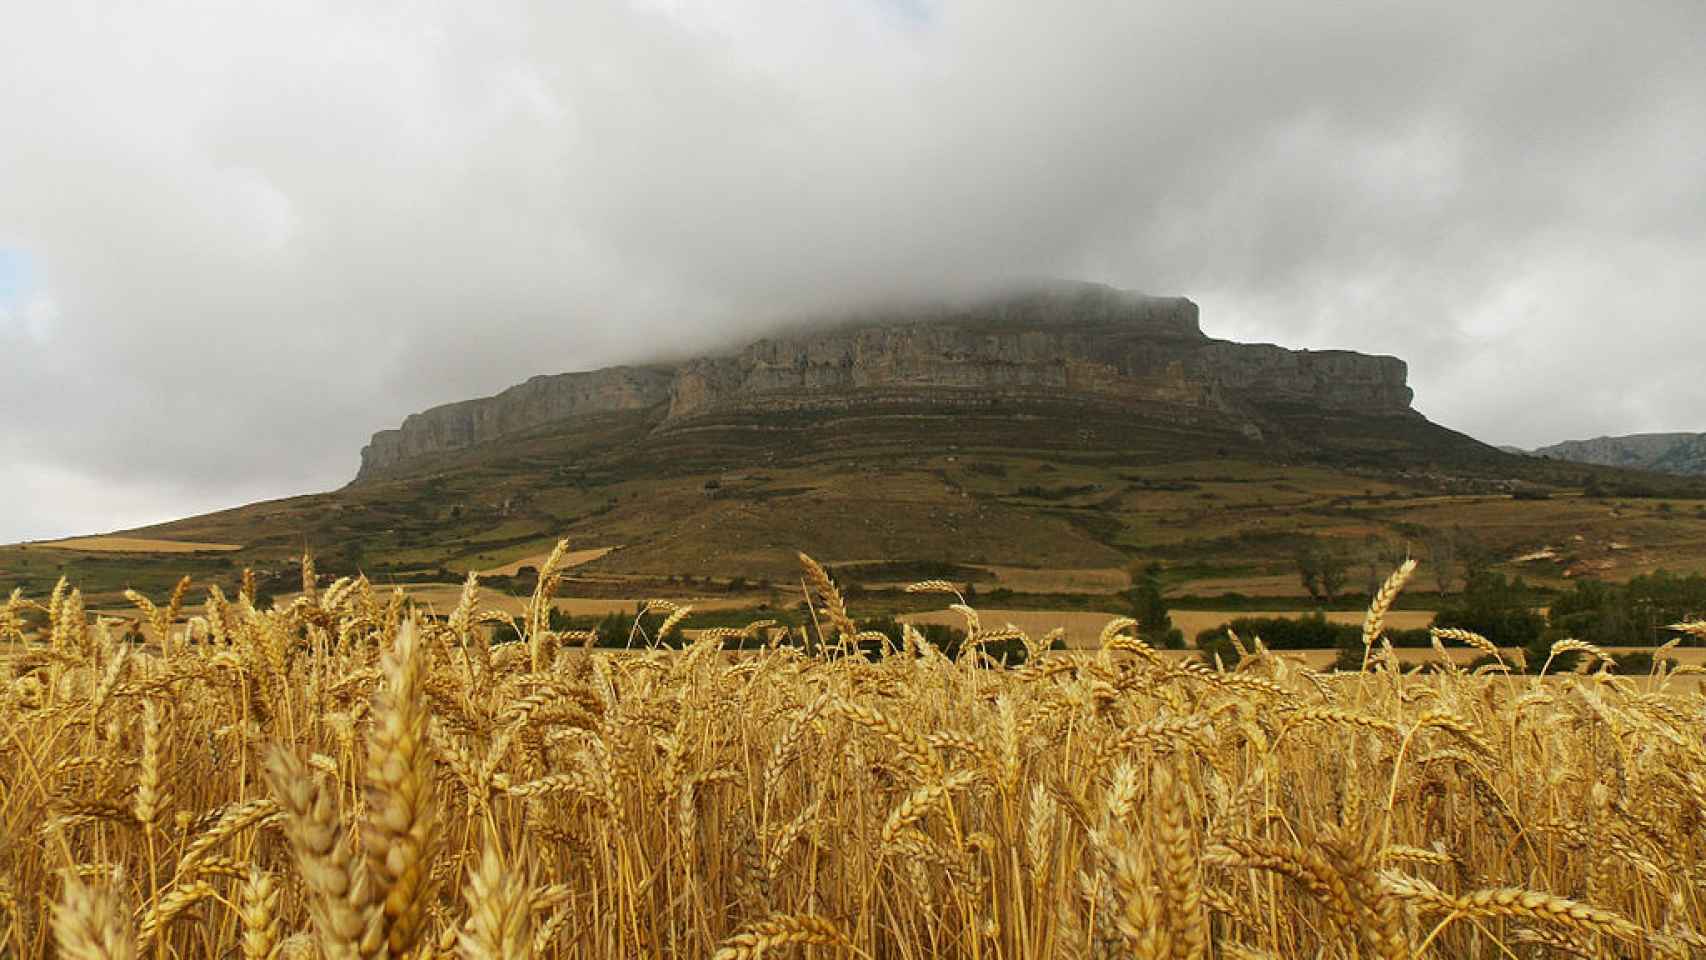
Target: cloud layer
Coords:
[(254, 234)]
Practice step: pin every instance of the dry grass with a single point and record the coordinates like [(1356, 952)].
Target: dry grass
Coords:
[(339, 778)]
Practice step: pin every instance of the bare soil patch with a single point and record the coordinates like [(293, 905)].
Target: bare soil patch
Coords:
[(1060, 580), (1254, 585)]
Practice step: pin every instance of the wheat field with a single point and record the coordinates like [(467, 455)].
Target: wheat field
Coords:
[(344, 778)]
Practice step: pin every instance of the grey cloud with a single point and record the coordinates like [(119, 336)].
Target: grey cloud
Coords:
[(268, 230)]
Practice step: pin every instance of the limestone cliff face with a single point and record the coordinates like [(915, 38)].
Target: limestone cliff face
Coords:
[(1089, 342), (1338, 380), (539, 401), (1154, 352)]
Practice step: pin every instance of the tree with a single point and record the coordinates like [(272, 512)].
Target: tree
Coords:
[(1443, 561), (1309, 568), (1500, 610), (1149, 609), (1477, 557), (1322, 570), (1384, 555), (1334, 571)]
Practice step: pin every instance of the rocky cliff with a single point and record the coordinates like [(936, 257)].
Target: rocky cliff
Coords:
[(1679, 453), (1089, 342), (541, 400)]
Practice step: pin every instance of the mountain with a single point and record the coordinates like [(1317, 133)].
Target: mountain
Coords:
[(1085, 345), (1049, 439), (1678, 453)]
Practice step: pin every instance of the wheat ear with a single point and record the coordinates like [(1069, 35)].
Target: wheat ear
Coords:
[(499, 923), (1140, 919), (833, 605), (263, 932), (1181, 873), (1381, 921), (1515, 902), (920, 802), (1694, 628), (1375, 623), (90, 923), (402, 815), (778, 931), (343, 910)]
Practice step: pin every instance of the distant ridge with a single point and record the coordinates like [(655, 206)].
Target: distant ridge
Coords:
[(1683, 454)]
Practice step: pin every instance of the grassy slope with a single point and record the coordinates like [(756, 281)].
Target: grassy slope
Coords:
[(1041, 487)]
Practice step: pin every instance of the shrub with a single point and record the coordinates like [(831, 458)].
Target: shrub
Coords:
[(1640, 663), (1496, 608), (1219, 645), (1312, 631)]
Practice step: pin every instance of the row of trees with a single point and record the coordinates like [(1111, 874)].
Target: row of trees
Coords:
[(1637, 612), (1507, 611), (1326, 569)]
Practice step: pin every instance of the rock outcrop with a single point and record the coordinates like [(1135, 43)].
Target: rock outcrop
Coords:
[(1088, 342)]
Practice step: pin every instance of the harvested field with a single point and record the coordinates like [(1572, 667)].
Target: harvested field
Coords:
[(132, 545), (572, 558)]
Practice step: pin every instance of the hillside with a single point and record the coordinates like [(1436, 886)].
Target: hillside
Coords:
[(1678, 453), (1039, 443)]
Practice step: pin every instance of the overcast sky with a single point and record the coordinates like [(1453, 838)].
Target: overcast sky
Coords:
[(236, 239)]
